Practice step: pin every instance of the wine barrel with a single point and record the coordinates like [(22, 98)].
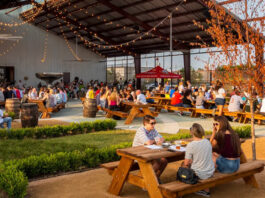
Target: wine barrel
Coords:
[(29, 115), (90, 108), (13, 105)]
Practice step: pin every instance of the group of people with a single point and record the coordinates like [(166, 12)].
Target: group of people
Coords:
[(185, 95), (221, 153)]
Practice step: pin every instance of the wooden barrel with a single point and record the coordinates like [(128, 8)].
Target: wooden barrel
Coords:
[(90, 108), (13, 105), (29, 115)]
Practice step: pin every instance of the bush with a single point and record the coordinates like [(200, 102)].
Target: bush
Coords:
[(57, 130), (243, 131), (11, 114), (14, 173)]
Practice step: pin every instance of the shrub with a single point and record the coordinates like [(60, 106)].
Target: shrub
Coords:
[(243, 131), (14, 173), (13, 182), (57, 130), (11, 114)]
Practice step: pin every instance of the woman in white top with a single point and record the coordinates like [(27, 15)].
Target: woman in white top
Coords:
[(262, 109), (235, 101), (219, 96)]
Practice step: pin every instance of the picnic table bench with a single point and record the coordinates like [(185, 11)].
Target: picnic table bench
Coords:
[(181, 109), (124, 171), (258, 117), (177, 189), (44, 110), (160, 102)]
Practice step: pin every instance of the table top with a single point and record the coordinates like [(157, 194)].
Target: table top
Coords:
[(143, 154), (159, 98)]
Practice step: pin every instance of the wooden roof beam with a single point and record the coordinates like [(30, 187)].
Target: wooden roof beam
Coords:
[(139, 22)]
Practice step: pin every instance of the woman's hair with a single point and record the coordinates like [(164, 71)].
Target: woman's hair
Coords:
[(220, 135), (197, 130), (113, 96), (218, 85)]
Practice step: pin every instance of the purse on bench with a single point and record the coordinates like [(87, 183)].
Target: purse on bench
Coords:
[(187, 175)]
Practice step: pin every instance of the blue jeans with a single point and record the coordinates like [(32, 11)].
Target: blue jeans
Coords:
[(7, 120), (227, 166)]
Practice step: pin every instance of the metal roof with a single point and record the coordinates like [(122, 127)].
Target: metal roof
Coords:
[(97, 24)]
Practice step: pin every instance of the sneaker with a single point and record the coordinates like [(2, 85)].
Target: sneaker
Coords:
[(203, 193), (179, 114)]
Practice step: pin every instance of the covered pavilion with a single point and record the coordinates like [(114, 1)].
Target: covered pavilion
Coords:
[(124, 27)]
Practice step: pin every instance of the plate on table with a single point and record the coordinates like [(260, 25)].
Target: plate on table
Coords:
[(176, 148)]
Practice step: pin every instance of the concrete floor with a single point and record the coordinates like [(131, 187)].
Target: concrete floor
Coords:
[(166, 122)]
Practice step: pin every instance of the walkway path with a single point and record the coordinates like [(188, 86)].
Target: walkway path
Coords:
[(166, 122)]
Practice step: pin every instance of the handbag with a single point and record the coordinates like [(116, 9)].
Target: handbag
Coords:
[(187, 175)]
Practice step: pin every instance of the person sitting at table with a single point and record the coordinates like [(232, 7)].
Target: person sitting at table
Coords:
[(227, 145), (187, 100), (148, 95), (5, 119), (171, 91), (90, 93), (198, 156), (176, 99), (148, 135), (140, 97), (235, 101)]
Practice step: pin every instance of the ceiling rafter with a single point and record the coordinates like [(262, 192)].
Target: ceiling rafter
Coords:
[(71, 21), (139, 22), (66, 12)]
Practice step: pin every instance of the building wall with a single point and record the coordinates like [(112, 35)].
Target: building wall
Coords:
[(27, 54)]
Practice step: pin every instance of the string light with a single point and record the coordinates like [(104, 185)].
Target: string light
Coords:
[(45, 47), (24, 21)]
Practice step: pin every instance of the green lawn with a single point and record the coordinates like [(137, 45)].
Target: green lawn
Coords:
[(15, 149)]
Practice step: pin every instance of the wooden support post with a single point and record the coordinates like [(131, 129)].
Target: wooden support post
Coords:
[(186, 56), (137, 66)]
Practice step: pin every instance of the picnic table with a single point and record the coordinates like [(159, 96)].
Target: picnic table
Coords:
[(160, 102), (147, 178), (124, 171), (137, 110)]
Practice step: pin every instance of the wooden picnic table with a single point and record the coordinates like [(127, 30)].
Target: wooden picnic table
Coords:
[(138, 110), (146, 178), (160, 102)]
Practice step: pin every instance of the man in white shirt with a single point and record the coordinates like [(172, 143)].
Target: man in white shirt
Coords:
[(140, 97), (235, 101), (262, 109), (148, 135), (5, 119)]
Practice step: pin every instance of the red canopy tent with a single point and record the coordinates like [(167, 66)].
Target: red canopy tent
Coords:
[(158, 72)]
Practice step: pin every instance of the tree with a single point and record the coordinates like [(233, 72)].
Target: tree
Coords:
[(241, 43)]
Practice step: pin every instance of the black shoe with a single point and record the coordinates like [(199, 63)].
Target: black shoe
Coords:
[(203, 193)]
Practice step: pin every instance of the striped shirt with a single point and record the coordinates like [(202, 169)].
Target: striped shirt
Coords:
[(200, 152), (142, 136)]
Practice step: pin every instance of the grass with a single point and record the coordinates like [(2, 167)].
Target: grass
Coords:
[(17, 149)]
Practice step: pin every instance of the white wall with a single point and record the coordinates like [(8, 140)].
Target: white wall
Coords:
[(27, 54)]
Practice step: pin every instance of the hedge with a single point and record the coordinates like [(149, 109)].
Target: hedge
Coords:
[(14, 174), (242, 131), (58, 130)]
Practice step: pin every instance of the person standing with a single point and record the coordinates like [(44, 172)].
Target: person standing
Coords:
[(148, 135), (90, 93), (219, 95)]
